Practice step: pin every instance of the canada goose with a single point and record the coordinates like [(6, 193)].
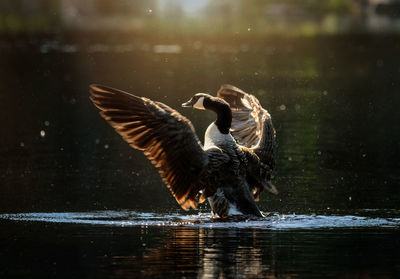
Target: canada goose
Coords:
[(232, 167)]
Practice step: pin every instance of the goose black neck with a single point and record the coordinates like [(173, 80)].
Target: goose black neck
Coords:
[(223, 111)]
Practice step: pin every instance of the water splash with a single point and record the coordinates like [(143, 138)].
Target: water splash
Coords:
[(274, 221)]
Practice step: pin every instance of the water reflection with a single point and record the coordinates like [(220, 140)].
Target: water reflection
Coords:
[(235, 253), (211, 254), (146, 245)]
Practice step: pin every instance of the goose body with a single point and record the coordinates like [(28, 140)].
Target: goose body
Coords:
[(232, 167)]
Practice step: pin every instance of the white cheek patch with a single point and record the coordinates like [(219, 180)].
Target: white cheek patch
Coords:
[(199, 104)]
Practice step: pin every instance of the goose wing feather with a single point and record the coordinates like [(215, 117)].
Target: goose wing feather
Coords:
[(166, 137), (251, 123), (252, 128)]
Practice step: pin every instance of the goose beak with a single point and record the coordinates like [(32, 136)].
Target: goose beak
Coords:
[(188, 104), (270, 188)]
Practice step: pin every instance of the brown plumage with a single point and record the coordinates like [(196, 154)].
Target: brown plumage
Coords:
[(252, 128), (223, 172), (165, 136)]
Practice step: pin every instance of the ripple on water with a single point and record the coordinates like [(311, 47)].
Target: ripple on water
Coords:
[(272, 222)]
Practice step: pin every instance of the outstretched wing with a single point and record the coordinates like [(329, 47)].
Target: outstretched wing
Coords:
[(166, 137), (252, 128), (251, 123)]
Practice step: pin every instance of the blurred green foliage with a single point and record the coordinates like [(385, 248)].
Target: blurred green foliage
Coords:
[(177, 17)]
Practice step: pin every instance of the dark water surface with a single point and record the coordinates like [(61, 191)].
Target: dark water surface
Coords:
[(125, 244), (335, 105)]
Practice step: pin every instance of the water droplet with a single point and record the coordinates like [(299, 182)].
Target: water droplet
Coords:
[(364, 155), (47, 123), (42, 133), (106, 146), (97, 141), (150, 11), (22, 144), (282, 107), (349, 198), (325, 92), (249, 29), (319, 152)]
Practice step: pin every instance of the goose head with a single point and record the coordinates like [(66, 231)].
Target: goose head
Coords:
[(199, 101), (204, 101)]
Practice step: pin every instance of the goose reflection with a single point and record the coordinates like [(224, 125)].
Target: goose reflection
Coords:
[(231, 253), (208, 253)]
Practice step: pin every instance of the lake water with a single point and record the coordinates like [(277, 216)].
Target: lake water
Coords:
[(78, 202), (129, 244)]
